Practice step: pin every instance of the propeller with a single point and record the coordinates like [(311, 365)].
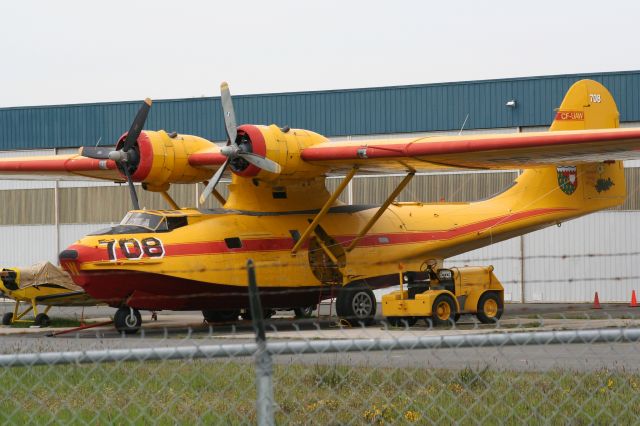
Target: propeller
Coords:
[(127, 157), (234, 151)]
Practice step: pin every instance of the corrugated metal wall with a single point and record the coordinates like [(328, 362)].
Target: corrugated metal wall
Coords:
[(108, 202), (419, 108)]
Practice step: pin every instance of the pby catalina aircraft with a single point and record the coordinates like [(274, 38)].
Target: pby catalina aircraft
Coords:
[(307, 245)]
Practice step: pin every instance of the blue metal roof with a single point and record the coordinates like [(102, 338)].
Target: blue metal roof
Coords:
[(398, 109)]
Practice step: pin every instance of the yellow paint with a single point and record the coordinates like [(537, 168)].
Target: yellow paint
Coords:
[(408, 233), (471, 282)]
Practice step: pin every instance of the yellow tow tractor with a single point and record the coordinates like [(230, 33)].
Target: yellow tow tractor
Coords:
[(440, 296)]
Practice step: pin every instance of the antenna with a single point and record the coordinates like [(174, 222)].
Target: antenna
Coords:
[(99, 139), (463, 123)]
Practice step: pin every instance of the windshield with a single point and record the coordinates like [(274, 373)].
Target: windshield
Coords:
[(151, 222)]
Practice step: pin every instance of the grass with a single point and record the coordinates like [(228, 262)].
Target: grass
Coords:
[(223, 392), (55, 322)]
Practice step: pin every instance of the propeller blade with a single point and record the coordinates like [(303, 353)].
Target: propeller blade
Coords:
[(97, 152), (213, 182), (262, 162), (132, 189), (136, 126), (228, 112)]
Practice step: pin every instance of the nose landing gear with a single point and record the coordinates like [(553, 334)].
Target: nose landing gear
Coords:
[(127, 320)]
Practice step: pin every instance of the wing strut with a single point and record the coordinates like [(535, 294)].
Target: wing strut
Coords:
[(381, 210), (170, 200), (323, 211)]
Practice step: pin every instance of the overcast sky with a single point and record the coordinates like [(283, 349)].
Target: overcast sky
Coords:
[(74, 51)]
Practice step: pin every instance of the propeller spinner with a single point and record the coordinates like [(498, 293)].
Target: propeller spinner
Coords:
[(126, 157), (234, 151)]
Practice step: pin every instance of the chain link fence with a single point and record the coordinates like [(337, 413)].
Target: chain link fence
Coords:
[(526, 370)]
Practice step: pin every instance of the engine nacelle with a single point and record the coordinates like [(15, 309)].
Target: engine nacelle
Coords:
[(280, 145), (164, 159)]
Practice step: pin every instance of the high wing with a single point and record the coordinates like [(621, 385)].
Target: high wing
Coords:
[(204, 157), (63, 167), (503, 151)]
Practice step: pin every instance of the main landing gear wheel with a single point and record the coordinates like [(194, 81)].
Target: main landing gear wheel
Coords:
[(42, 320), (356, 304), (304, 312), (220, 316), (490, 308), (127, 320), (444, 310), (7, 318)]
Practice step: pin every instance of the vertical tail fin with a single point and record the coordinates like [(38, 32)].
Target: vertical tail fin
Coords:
[(587, 105), (585, 187)]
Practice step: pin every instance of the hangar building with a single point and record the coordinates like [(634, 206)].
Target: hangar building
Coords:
[(600, 252)]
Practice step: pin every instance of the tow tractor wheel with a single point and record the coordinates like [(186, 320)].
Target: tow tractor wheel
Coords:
[(127, 320), (444, 310), (304, 312), (490, 308), (7, 318), (220, 316), (42, 320), (402, 321), (356, 304)]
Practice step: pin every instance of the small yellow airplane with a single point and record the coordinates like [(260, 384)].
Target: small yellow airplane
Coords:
[(41, 284), (308, 246)]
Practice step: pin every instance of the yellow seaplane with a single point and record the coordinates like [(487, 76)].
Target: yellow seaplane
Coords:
[(307, 246)]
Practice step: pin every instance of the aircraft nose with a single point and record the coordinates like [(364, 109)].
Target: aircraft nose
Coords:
[(69, 261), (68, 255)]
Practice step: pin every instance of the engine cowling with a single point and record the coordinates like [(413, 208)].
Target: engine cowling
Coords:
[(282, 145), (161, 159)]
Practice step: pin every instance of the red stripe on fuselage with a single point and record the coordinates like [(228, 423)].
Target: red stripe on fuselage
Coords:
[(89, 254)]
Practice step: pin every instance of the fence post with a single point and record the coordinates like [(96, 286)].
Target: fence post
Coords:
[(264, 369)]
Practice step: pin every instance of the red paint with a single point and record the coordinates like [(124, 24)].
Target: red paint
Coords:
[(570, 115), (461, 146), (206, 159), (258, 145), (93, 254), (143, 290), (62, 164), (146, 158)]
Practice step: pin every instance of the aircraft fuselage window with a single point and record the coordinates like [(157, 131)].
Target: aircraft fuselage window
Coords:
[(233, 243)]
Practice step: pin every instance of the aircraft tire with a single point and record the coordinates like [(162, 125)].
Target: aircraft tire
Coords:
[(444, 310), (356, 304), (490, 308), (127, 323), (304, 311), (7, 318), (42, 320)]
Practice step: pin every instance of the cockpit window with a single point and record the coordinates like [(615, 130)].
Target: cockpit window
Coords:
[(140, 223), (148, 221), (176, 222)]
